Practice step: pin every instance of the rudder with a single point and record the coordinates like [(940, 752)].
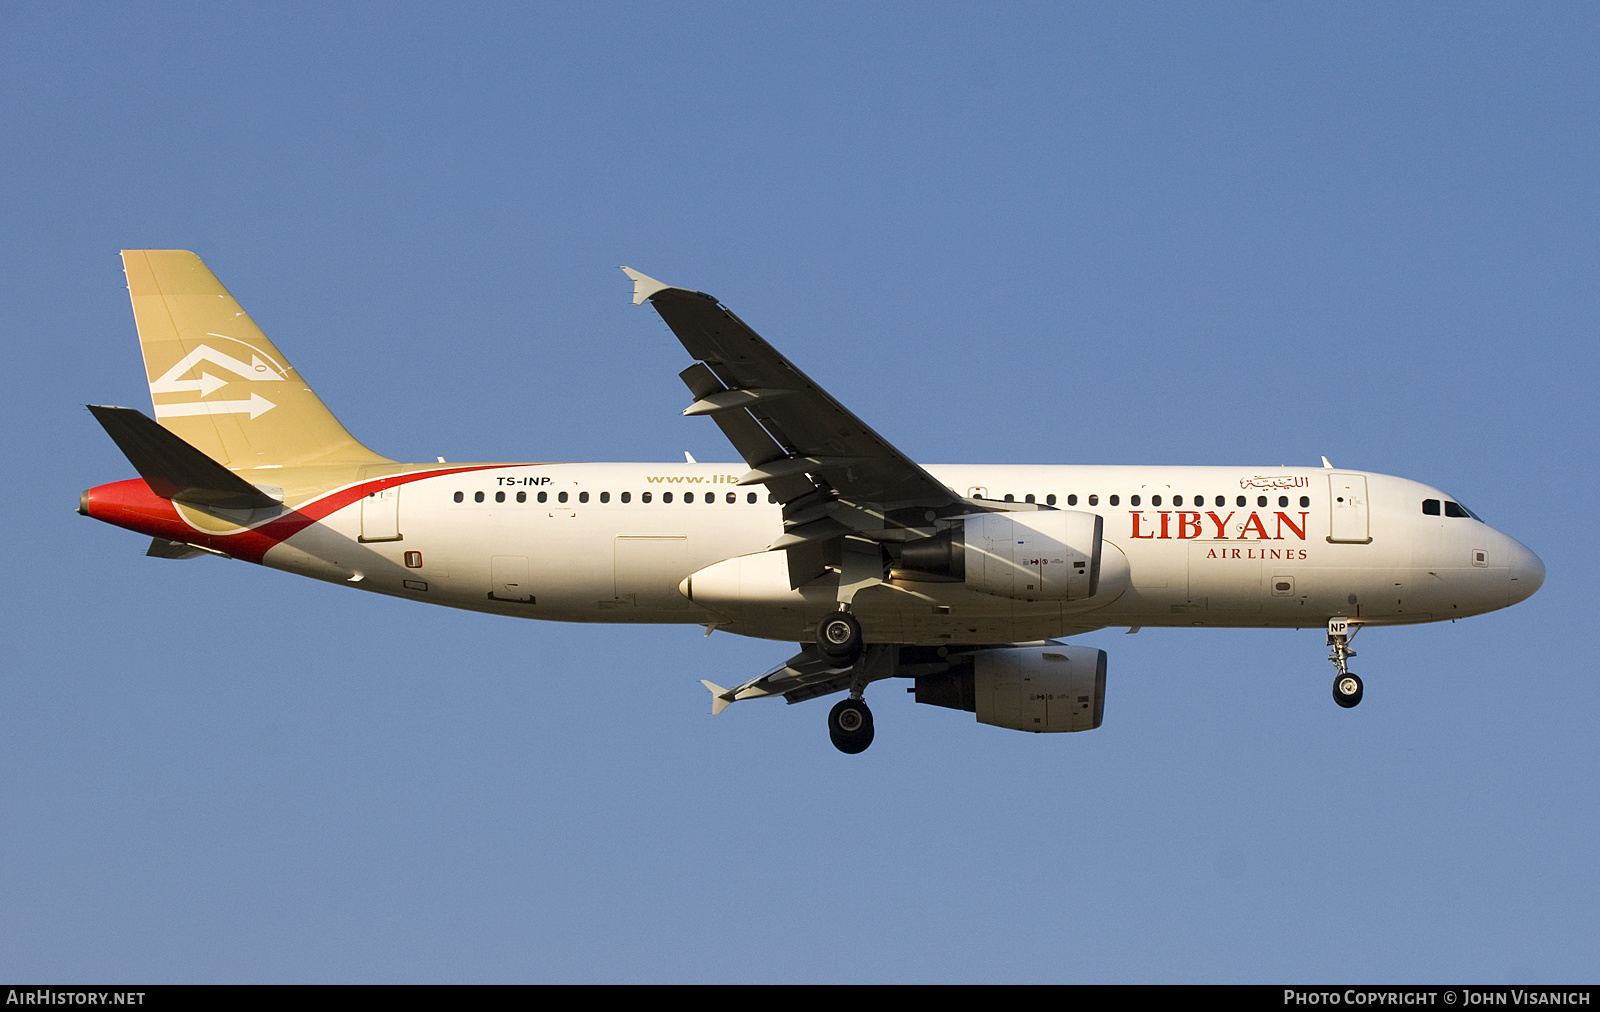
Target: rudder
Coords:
[(216, 381)]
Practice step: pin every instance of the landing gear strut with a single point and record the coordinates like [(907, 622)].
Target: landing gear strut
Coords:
[(1347, 688), (850, 721)]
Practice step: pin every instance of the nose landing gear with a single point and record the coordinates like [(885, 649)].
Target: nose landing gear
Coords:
[(1347, 690), (1347, 687)]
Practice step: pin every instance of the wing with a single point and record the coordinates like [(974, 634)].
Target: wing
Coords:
[(833, 474), (804, 676)]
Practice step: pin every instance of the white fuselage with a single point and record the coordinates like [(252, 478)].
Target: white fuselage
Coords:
[(1201, 546)]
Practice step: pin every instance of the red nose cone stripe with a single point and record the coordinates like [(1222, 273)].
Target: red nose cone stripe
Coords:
[(130, 504)]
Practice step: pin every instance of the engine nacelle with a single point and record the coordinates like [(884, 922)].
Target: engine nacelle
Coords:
[(1050, 688), (1049, 555), (1032, 688)]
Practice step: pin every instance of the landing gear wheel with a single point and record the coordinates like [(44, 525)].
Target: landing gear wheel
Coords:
[(850, 726), (839, 639), (1347, 690)]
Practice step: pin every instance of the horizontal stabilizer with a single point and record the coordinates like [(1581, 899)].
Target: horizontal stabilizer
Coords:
[(172, 468), (161, 548)]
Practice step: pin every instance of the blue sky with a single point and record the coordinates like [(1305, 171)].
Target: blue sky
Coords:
[(1121, 233)]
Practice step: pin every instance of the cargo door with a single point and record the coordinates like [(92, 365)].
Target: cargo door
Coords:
[(1223, 578), (1347, 499), (649, 569), (508, 579)]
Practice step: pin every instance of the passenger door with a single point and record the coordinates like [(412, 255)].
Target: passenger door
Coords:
[(380, 515), (1347, 499)]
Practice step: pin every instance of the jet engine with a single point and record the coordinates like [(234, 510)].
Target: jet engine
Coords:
[(1050, 555), (1053, 687)]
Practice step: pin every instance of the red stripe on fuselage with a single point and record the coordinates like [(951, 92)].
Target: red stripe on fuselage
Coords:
[(130, 504)]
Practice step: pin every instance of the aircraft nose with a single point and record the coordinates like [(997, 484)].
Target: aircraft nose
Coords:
[(1527, 572)]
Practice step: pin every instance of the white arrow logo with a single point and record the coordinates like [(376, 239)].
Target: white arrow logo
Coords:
[(257, 405), (255, 370)]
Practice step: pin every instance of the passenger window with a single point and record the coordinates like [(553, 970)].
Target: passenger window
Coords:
[(605, 496), (771, 498), (477, 497), (1261, 500), (1115, 500), (688, 497), (1072, 500), (1010, 497), (1177, 500), (1133, 500), (1028, 497), (1155, 500), (1240, 501), (1050, 500), (544, 496), (750, 497), (459, 497), (666, 497), (1455, 509), (626, 496), (1283, 501), (522, 497), (583, 497), (561, 497), (644, 496), (1430, 507), (1222, 500), (1094, 500), (1305, 502), (499, 497), (733, 497)]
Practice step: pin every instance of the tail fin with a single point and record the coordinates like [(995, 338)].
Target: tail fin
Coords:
[(215, 379)]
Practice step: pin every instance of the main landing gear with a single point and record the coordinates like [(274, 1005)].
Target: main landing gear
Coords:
[(839, 638), (850, 725), (1347, 688), (840, 643)]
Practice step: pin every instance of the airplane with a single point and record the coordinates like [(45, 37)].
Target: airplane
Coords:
[(963, 579)]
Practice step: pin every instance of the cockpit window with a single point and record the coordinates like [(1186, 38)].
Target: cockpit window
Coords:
[(1430, 507), (1455, 509)]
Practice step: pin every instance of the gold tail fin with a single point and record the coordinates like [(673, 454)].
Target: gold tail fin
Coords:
[(215, 379)]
